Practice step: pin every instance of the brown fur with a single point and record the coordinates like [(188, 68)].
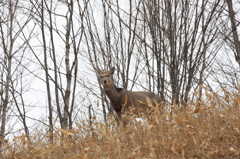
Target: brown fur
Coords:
[(126, 101)]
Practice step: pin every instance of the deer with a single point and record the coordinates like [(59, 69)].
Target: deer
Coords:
[(125, 101)]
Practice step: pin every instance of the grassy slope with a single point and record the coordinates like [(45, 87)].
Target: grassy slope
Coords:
[(213, 131)]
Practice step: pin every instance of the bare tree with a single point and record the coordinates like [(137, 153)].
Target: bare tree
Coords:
[(71, 37), (177, 40), (12, 31)]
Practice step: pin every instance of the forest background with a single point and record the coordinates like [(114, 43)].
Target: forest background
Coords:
[(49, 49)]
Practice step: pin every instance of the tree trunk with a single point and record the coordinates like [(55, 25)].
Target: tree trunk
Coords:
[(8, 55), (5, 100), (234, 31), (68, 69), (46, 71)]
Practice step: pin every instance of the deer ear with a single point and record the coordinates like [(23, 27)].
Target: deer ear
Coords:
[(112, 70), (98, 71)]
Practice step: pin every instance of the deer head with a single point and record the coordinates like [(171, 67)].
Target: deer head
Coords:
[(105, 76)]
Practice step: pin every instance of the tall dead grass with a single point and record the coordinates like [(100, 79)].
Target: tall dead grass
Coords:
[(209, 131)]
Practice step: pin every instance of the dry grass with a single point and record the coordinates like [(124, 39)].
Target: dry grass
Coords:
[(212, 131)]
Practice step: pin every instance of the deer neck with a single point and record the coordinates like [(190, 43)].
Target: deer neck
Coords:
[(112, 93)]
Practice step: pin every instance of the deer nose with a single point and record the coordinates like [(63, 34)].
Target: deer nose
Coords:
[(105, 81)]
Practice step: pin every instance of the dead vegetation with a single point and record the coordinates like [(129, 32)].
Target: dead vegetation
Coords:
[(209, 131)]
